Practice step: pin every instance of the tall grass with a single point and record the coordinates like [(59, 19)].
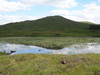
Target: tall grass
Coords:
[(48, 42)]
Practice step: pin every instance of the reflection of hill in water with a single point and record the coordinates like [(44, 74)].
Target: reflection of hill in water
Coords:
[(74, 49)]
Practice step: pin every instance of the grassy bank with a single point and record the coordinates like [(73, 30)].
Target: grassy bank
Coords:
[(40, 64), (48, 42), (2, 53)]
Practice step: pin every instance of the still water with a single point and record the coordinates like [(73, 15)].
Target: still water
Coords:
[(74, 49)]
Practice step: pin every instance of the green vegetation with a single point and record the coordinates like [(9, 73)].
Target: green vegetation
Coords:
[(87, 22), (2, 53), (48, 26), (48, 42), (43, 64), (95, 27)]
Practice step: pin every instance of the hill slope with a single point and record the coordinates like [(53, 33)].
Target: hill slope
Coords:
[(48, 26), (87, 22)]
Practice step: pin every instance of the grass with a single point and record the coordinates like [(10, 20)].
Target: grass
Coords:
[(49, 42), (2, 53), (45, 64)]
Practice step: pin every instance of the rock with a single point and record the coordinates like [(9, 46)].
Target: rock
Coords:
[(4, 51), (12, 51), (39, 50), (63, 62)]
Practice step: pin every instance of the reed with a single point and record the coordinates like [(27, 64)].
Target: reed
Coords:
[(49, 42)]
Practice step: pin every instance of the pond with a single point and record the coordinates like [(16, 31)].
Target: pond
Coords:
[(74, 49)]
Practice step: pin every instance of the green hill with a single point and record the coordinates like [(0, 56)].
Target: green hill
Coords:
[(87, 22), (47, 26)]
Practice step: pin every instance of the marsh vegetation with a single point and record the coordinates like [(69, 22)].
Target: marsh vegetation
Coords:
[(49, 42), (49, 64)]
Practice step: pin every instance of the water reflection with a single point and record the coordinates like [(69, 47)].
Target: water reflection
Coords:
[(74, 49)]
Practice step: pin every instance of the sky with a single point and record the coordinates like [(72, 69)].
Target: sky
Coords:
[(21, 10)]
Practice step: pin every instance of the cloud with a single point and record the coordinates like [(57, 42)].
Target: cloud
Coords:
[(90, 12), (15, 18), (7, 6), (61, 12), (55, 3)]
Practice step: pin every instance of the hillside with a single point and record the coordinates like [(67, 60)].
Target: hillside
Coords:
[(47, 26), (87, 22)]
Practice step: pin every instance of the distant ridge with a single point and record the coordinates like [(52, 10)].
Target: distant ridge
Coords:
[(47, 26), (87, 22)]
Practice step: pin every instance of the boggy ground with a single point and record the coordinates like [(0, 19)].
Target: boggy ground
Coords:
[(49, 42), (48, 64)]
